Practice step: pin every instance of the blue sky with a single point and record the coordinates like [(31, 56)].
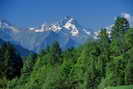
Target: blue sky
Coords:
[(90, 13)]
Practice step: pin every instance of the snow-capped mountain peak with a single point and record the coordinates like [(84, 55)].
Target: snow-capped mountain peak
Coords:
[(70, 24)]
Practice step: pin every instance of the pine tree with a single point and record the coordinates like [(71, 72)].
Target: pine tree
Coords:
[(119, 29), (55, 54), (11, 62), (129, 69)]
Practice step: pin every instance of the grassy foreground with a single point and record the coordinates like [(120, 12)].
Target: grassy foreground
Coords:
[(121, 87)]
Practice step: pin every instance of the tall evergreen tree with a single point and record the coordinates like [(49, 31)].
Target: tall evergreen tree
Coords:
[(120, 27), (118, 31), (55, 53), (11, 62), (129, 69)]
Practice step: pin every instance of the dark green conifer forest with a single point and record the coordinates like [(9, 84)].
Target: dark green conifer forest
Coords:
[(97, 64)]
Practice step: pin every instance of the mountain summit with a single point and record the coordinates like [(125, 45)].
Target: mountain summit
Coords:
[(68, 23)]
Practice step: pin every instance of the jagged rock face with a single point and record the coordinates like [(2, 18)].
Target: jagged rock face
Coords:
[(67, 32)]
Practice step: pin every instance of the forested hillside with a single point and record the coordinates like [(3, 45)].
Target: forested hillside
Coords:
[(98, 64)]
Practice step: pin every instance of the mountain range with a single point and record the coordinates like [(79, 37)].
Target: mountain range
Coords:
[(68, 32)]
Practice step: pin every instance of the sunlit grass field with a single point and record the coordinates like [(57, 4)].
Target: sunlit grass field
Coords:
[(121, 87)]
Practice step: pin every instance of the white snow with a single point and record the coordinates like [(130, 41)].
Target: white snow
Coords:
[(87, 32), (55, 27), (39, 30), (42, 28), (67, 26), (74, 32), (70, 26), (31, 28)]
